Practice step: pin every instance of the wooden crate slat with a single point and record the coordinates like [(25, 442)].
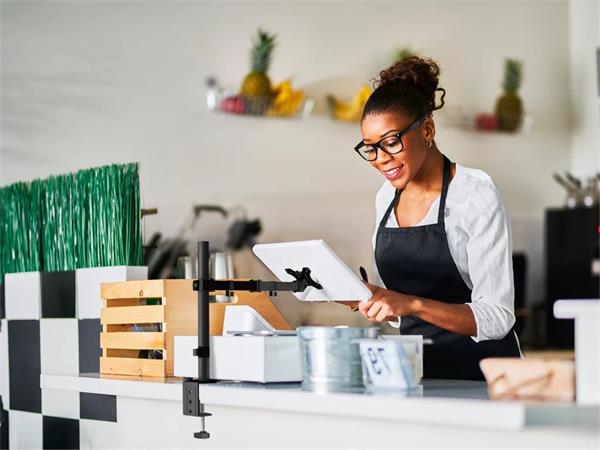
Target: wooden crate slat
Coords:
[(132, 314), (132, 366), (117, 327), (132, 289), (120, 353), (121, 302), (140, 341), (179, 318)]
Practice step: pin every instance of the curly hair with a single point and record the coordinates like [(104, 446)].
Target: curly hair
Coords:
[(408, 87)]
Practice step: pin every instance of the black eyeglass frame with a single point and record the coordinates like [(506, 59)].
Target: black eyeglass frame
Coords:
[(377, 145)]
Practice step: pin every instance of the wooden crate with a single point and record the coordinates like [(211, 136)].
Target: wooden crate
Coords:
[(129, 302)]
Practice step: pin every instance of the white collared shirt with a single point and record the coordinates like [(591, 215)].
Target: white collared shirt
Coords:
[(480, 243)]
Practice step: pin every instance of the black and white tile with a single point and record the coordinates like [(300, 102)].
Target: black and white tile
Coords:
[(59, 432), (52, 326), (23, 295), (98, 407), (24, 365), (58, 294), (59, 355), (2, 301), (25, 429), (89, 345), (4, 376), (4, 426)]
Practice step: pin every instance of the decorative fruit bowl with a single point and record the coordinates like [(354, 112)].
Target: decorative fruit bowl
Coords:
[(472, 119), (349, 110), (285, 102)]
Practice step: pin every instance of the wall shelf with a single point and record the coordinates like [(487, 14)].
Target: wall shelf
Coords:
[(469, 119), (231, 102)]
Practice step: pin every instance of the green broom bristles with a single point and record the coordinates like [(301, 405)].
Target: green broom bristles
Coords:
[(110, 230), (19, 228), (58, 224), (87, 219)]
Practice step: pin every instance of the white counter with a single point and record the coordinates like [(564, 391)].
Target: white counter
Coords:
[(441, 405), (587, 345)]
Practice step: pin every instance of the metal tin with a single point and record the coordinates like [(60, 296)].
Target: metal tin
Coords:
[(331, 359)]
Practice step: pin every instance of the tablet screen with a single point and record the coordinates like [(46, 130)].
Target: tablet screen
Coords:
[(338, 281)]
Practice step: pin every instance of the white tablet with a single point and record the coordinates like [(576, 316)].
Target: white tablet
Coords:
[(326, 268)]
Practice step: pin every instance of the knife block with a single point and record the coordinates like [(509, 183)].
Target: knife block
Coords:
[(160, 310)]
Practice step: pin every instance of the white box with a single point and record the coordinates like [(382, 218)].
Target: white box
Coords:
[(23, 295), (262, 359), (87, 282)]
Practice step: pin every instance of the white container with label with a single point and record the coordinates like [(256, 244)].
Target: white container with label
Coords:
[(392, 363)]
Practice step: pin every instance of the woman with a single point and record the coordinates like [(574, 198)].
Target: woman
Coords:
[(442, 241)]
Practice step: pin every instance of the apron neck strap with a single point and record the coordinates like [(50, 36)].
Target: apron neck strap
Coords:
[(445, 183), (386, 216)]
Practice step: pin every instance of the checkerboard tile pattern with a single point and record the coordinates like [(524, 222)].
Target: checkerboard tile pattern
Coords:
[(43, 332)]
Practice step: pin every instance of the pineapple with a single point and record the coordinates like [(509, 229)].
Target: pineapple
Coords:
[(257, 83), (403, 53), (509, 107)]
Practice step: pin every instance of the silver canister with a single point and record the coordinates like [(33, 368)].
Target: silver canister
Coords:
[(331, 359), (221, 268)]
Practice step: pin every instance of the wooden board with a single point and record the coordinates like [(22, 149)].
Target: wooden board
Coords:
[(132, 366), (139, 341), (133, 314), (132, 289), (529, 379)]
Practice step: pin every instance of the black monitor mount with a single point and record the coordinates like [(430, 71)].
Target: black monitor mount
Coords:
[(192, 406)]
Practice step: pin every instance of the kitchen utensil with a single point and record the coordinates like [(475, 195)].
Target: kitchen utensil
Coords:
[(573, 180), (220, 267), (186, 267), (574, 194), (331, 359), (591, 195)]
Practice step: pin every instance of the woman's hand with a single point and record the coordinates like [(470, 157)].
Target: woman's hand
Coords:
[(352, 304), (386, 305)]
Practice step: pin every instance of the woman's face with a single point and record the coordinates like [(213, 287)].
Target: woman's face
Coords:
[(402, 167)]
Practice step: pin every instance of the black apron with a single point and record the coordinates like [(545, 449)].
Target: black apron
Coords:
[(417, 261)]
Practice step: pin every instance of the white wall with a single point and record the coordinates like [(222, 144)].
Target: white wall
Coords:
[(584, 40), (96, 82)]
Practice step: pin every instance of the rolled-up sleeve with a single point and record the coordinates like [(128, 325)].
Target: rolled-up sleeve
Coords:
[(489, 254)]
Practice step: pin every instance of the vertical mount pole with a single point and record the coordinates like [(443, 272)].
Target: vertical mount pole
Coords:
[(203, 315), (192, 406)]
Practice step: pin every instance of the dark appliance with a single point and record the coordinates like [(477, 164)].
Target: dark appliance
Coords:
[(572, 246)]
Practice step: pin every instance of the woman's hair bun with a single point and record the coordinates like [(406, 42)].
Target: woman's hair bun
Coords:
[(414, 71)]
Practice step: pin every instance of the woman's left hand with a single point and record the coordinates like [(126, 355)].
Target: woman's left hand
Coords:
[(386, 305)]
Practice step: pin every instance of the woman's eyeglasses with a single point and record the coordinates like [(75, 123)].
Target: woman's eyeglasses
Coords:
[(390, 144)]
